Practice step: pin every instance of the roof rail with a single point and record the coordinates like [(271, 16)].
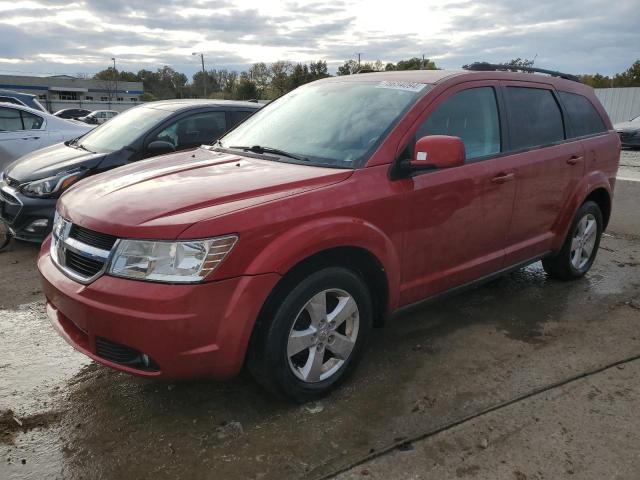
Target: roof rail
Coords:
[(491, 67)]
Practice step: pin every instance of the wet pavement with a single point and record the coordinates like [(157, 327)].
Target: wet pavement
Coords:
[(431, 366)]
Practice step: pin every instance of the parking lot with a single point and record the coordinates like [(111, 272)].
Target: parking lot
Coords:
[(523, 364)]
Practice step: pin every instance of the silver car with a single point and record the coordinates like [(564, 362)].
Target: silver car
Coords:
[(24, 129)]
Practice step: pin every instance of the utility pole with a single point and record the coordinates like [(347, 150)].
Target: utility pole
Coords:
[(115, 73), (423, 65), (358, 60), (204, 72)]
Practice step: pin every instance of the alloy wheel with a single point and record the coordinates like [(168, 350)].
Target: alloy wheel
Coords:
[(323, 335), (583, 241)]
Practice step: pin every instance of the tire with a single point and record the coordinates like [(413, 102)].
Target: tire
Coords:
[(296, 330), (5, 236), (566, 265)]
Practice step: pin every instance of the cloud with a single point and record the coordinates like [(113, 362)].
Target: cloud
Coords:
[(574, 35)]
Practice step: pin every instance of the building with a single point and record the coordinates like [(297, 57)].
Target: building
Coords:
[(622, 104), (63, 91)]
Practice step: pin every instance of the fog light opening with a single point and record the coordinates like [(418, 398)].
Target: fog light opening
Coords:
[(37, 225)]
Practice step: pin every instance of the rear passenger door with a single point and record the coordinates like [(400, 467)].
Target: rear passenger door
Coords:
[(546, 165), (20, 133)]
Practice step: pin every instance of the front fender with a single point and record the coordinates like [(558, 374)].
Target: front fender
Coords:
[(318, 235)]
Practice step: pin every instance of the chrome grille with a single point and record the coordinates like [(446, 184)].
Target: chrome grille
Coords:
[(95, 239), (81, 254)]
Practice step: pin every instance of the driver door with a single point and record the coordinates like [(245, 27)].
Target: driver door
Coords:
[(458, 218)]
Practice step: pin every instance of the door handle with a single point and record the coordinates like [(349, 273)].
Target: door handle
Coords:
[(575, 159), (30, 138), (503, 178)]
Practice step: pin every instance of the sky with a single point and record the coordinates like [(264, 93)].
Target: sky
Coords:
[(69, 37)]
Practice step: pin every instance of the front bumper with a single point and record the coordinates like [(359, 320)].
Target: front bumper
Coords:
[(187, 331), (20, 212)]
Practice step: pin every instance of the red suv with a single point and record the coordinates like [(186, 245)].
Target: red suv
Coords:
[(283, 244)]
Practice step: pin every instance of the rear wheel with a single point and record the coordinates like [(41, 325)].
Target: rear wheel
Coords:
[(580, 247), (315, 336)]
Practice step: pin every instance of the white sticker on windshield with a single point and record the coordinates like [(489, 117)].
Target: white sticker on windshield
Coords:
[(408, 86)]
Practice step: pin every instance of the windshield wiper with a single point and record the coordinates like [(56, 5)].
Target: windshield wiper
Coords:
[(275, 151)]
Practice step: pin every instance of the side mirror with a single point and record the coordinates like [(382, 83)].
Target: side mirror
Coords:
[(437, 151), (160, 147)]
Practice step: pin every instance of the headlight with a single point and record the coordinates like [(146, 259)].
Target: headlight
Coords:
[(172, 262), (52, 185)]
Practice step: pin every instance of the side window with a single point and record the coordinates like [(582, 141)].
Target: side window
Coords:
[(534, 117), (238, 117), (11, 100), (471, 115), (583, 116), (10, 120), (195, 130), (31, 121)]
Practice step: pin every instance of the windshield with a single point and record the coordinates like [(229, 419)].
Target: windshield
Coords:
[(328, 123), (637, 119), (122, 130)]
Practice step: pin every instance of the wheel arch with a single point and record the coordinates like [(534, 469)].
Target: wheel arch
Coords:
[(602, 198), (594, 186)]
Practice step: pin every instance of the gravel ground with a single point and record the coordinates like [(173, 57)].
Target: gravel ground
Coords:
[(64, 417), (630, 164)]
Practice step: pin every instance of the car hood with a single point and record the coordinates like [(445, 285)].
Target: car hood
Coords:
[(627, 126), (162, 197), (49, 161)]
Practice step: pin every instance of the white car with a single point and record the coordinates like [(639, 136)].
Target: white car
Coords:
[(24, 129), (98, 117)]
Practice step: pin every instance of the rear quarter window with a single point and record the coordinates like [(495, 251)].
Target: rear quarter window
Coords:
[(535, 118), (584, 119)]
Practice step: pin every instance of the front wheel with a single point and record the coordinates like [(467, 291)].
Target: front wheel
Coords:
[(580, 247), (5, 235), (315, 336)]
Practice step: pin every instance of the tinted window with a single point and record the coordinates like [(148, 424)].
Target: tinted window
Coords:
[(237, 117), (123, 129), (471, 115), (31, 121), (199, 129), (10, 119), (583, 116), (534, 117)]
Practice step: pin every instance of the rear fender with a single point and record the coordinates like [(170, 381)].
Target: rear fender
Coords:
[(589, 183)]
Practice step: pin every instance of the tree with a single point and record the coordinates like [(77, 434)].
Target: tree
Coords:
[(299, 76), (261, 77), (279, 76), (415, 63), (596, 81), (245, 89), (318, 70), (349, 67), (629, 78)]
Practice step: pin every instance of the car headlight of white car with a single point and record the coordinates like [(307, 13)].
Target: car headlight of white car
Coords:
[(171, 262)]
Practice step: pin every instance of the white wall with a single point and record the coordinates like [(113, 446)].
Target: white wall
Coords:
[(622, 104)]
